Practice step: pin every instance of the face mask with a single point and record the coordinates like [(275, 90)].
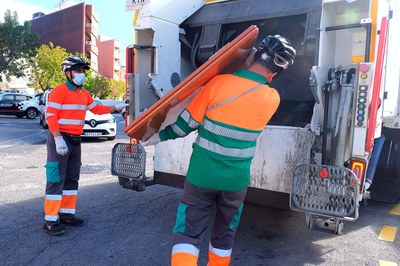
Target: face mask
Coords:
[(79, 79)]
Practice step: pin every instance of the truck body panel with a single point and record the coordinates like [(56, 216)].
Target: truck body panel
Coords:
[(327, 96)]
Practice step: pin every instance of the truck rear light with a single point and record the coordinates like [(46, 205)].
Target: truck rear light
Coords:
[(359, 168), (323, 173)]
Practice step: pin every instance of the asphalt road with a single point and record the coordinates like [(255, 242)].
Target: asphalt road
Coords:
[(124, 227)]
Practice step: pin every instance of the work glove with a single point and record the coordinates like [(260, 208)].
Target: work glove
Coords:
[(61, 146), (153, 140), (120, 106)]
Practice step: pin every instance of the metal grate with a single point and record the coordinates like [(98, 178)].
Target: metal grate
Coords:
[(128, 160), (325, 190)]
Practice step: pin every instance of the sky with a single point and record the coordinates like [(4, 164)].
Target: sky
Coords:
[(114, 21)]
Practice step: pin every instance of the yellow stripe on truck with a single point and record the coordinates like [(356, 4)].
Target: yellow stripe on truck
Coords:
[(374, 16), (136, 17), (387, 263), (388, 233), (395, 210)]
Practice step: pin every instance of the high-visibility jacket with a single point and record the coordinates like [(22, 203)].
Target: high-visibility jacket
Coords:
[(227, 134), (66, 108)]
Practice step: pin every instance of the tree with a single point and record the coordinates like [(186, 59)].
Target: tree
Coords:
[(16, 43), (105, 88), (100, 87), (118, 89), (46, 71)]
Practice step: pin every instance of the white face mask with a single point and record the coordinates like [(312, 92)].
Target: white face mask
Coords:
[(79, 78)]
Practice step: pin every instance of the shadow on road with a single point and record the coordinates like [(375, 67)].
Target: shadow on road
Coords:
[(124, 227)]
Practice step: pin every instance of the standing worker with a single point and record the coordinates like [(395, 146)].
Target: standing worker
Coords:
[(65, 116), (229, 112)]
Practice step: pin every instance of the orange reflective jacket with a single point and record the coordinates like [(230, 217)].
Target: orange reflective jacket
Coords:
[(227, 134), (66, 108)]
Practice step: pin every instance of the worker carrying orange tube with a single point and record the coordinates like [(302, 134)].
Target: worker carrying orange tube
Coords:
[(229, 113)]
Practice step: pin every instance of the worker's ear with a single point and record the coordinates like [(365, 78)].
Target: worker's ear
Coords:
[(271, 77), (249, 59)]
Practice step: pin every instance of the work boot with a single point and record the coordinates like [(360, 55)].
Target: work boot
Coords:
[(54, 229), (72, 221)]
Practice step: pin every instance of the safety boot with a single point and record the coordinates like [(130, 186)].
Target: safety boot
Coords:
[(71, 221), (54, 229)]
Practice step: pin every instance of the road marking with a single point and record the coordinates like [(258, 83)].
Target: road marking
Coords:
[(388, 233), (395, 210), (387, 263)]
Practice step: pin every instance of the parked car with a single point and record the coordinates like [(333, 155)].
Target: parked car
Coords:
[(42, 109), (31, 108), (9, 104), (99, 126)]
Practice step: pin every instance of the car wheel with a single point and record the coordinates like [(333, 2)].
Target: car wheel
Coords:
[(111, 138), (31, 113)]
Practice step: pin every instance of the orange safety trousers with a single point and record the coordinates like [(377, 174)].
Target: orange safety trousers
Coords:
[(193, 215), (62, 175)]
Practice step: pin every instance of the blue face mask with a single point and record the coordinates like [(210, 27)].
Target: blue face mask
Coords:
[(79, 79)]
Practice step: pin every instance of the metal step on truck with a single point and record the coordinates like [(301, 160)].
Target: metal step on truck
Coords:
[(334, 140)]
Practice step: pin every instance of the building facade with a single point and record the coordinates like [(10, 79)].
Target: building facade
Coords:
[(74, 28), (110, 57)]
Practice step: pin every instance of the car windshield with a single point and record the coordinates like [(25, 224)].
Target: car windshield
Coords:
[(39, 97)]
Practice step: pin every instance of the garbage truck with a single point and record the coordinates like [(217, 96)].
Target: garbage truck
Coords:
[(334, 140)]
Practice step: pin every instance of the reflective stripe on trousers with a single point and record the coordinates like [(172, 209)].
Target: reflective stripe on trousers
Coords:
[(184, 255), (218, 257)]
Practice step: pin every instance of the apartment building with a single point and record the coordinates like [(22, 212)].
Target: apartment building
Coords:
[(73, 27), (109, 57)]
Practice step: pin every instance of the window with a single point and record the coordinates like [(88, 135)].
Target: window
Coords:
[(8, 98), (22, 97), (39, 97)]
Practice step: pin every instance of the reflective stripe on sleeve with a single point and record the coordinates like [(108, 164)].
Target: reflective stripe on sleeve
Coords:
[(177, 130), (185, 248), (92, 105), (49, 114), (230, 133), (185, 115), (231, 152), (70, 122), (70, 192), (54, 105), (220, 252), (53, 197)]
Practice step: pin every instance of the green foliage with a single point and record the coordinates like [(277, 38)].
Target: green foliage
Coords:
[(46, 71), (104, 88), (89, 80), (16, 43), (100, 87), (118, 89)]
